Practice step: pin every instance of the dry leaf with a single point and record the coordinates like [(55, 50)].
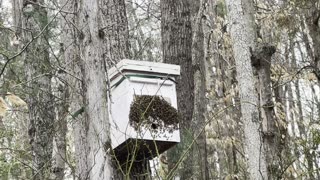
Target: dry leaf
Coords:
[(15, 100), (3, 107)]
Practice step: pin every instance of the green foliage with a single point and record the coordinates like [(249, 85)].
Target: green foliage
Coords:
[(13, 156), (221, 9), (315, 137), (4, 167)]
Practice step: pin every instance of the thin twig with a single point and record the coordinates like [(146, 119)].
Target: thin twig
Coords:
[(29, 43)]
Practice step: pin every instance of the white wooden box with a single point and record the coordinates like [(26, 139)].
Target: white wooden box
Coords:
[(135, 78)]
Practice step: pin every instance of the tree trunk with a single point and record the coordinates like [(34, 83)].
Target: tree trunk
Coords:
[(313, 22), (243, 37), (17, 16), (60, 126), (74, 75), (199, 120), (95, 130), (116, 47), (61, 90), (114, 25), (38, 75), (271, 135), (176, 34), (271, 127)]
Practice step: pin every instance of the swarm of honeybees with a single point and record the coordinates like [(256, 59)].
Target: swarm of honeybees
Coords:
[(153, 112)]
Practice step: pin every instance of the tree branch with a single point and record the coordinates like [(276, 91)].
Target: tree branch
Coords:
[(29, 43)]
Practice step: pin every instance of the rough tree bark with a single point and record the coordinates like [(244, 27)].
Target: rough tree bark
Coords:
[(261, 60), (33, 21), (60, 131), (61, 90), (94, 128), (176, 34), (226, 98), (73, 72), (272, 127), (115, 31), (115, 34), (198, 60), (17, 16), (243, 35), (102, 36), (313, 22)]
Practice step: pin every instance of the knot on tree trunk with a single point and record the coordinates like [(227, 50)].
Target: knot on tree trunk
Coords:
[(261, 55), (315, 18), (57, 170), (268, 134), (269, 104)]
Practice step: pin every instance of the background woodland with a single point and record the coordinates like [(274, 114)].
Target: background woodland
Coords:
[(248, 93)]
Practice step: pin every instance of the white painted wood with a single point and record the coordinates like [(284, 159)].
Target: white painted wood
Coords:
[(144, 66), (150, 80)]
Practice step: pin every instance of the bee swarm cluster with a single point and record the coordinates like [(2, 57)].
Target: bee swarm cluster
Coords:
[(154, 112)]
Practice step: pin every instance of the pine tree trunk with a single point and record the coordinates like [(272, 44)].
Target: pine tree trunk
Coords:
[(243, 37)]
